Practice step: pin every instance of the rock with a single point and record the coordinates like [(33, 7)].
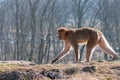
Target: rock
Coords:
[(31, 75), (89, 69), (53, 74), (14, 75), (44, 72), (70, 71)]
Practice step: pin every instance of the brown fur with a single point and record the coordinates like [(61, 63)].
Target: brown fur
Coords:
[(89, 36)]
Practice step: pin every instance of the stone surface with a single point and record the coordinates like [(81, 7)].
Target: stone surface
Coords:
[(89, 69), (53, 74)]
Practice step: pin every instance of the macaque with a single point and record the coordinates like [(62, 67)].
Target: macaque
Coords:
[(89, 36)]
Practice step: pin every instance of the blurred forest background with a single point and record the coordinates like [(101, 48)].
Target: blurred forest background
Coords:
[(28, 28)]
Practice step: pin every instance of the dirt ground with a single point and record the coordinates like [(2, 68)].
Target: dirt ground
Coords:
[(24, 70)]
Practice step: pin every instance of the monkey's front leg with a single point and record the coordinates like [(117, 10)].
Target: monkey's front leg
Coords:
[(77, 55), (63, 53), (76, 51)]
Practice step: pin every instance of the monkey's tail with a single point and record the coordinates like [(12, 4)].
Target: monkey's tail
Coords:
[(103, 43)]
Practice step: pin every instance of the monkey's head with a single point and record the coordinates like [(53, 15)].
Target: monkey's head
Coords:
[(62, 33)]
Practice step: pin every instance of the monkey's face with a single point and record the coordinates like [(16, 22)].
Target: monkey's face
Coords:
[(61, 36), (61, 33)]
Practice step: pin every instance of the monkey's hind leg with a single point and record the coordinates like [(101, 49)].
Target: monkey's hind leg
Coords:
[(89, 49), (107, 48)]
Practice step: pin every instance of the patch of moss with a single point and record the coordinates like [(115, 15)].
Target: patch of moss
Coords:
[(26, 78)]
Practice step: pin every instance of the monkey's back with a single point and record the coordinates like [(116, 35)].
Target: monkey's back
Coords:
[(84, 34)]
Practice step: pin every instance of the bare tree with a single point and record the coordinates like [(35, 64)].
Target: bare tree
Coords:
[(28, 28), (33, 8)]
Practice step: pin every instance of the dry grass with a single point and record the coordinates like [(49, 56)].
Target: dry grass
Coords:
[(104, 70)]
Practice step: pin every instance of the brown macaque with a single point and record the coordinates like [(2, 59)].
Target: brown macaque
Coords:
[(89, 36)]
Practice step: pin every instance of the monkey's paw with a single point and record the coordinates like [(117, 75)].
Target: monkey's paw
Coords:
[(114, 58), (54, 61)]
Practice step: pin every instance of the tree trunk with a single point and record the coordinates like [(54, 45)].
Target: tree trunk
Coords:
[(17, 31)]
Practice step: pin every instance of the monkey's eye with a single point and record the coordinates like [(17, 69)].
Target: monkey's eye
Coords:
[(59, 36)]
